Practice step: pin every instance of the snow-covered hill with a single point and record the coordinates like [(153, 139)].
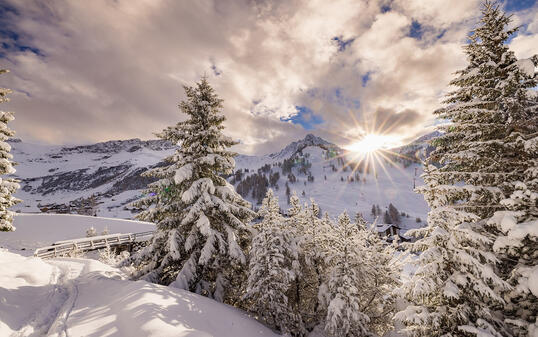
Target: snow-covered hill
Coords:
[(104, 178), (83, 297)]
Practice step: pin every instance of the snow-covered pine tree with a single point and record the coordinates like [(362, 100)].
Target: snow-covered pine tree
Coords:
[(8, 186), (295, 224), (271, 272), (457, 287), (344, 317), (519, 246), (454, 286), (90, 232), (201, 237), (316, 245), (359, 221), (517, 242), (313, 241), (383, 268)]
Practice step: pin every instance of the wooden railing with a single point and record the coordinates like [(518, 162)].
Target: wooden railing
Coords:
[(65, 248)]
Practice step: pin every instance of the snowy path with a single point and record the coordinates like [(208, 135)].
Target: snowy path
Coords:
[(82, 297)]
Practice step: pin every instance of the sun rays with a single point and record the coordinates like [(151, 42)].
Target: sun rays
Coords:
[(370, 149)]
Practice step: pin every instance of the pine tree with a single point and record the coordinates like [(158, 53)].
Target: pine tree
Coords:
[(519, 246), (91, 232), (359, 221), (457, 288), (314, 244), (394, 214), (380, 277), (344, 316), (271, 270), (8, 186), (201, 237), (386, 218)]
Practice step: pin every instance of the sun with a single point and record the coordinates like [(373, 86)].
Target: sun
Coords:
[(372, 143)]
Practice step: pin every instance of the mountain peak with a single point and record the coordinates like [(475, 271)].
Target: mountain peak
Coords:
[(294, 147)]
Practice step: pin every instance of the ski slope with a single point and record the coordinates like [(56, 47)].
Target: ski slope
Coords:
[(393, 183)]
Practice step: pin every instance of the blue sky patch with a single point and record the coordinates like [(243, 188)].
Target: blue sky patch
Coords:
[(416, 30), (365, 78), (518, 5), (342, 43), (304, 117)]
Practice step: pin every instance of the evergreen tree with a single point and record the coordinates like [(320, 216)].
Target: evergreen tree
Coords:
[(271, 270), (90, 232), (394, 214), (359, 221), (519, 246), (457, 289), (378, 297), (344, 316), (8, 186), (386, 218), (201, 236), (314, 245)]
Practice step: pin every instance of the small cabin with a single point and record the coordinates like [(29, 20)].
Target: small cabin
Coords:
[(388, 230)]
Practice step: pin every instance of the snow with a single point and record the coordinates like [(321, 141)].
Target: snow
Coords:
[(526, 66), (506, 220), (39, 230), (393, 184), (533, 281), (81, 297)]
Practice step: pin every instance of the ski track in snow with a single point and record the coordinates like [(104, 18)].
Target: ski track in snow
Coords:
[(59, 326), (76, 297), (46, 317), (52, 319)]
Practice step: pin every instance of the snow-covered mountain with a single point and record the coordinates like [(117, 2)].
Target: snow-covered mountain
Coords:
[(104, 178)]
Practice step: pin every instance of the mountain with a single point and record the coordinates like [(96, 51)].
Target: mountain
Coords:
[(104, 178), (295, 147)]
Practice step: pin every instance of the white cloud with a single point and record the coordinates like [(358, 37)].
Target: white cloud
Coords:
[(114, 69)]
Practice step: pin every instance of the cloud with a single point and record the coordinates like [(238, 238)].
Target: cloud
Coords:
[(100, 70)]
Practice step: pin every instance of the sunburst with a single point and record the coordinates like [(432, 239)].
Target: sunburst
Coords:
[(371, 152)]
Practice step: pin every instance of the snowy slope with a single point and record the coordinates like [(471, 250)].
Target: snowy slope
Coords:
[(334, 192), (110, 171), (39, 230), (81, 297)]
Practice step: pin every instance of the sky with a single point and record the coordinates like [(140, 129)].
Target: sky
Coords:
[(88, 71)]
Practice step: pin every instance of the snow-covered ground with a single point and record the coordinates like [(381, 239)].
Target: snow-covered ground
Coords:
[(84, 297), (39, 230)]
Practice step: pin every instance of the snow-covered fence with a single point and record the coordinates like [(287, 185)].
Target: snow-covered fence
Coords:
[(63, 248)]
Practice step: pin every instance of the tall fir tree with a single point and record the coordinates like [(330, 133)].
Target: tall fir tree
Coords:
[(8, 186), (456, 289), (271, 270), (201, 239), (347, 276)]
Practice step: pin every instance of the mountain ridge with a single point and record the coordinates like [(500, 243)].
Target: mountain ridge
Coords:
[(103, 178)]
